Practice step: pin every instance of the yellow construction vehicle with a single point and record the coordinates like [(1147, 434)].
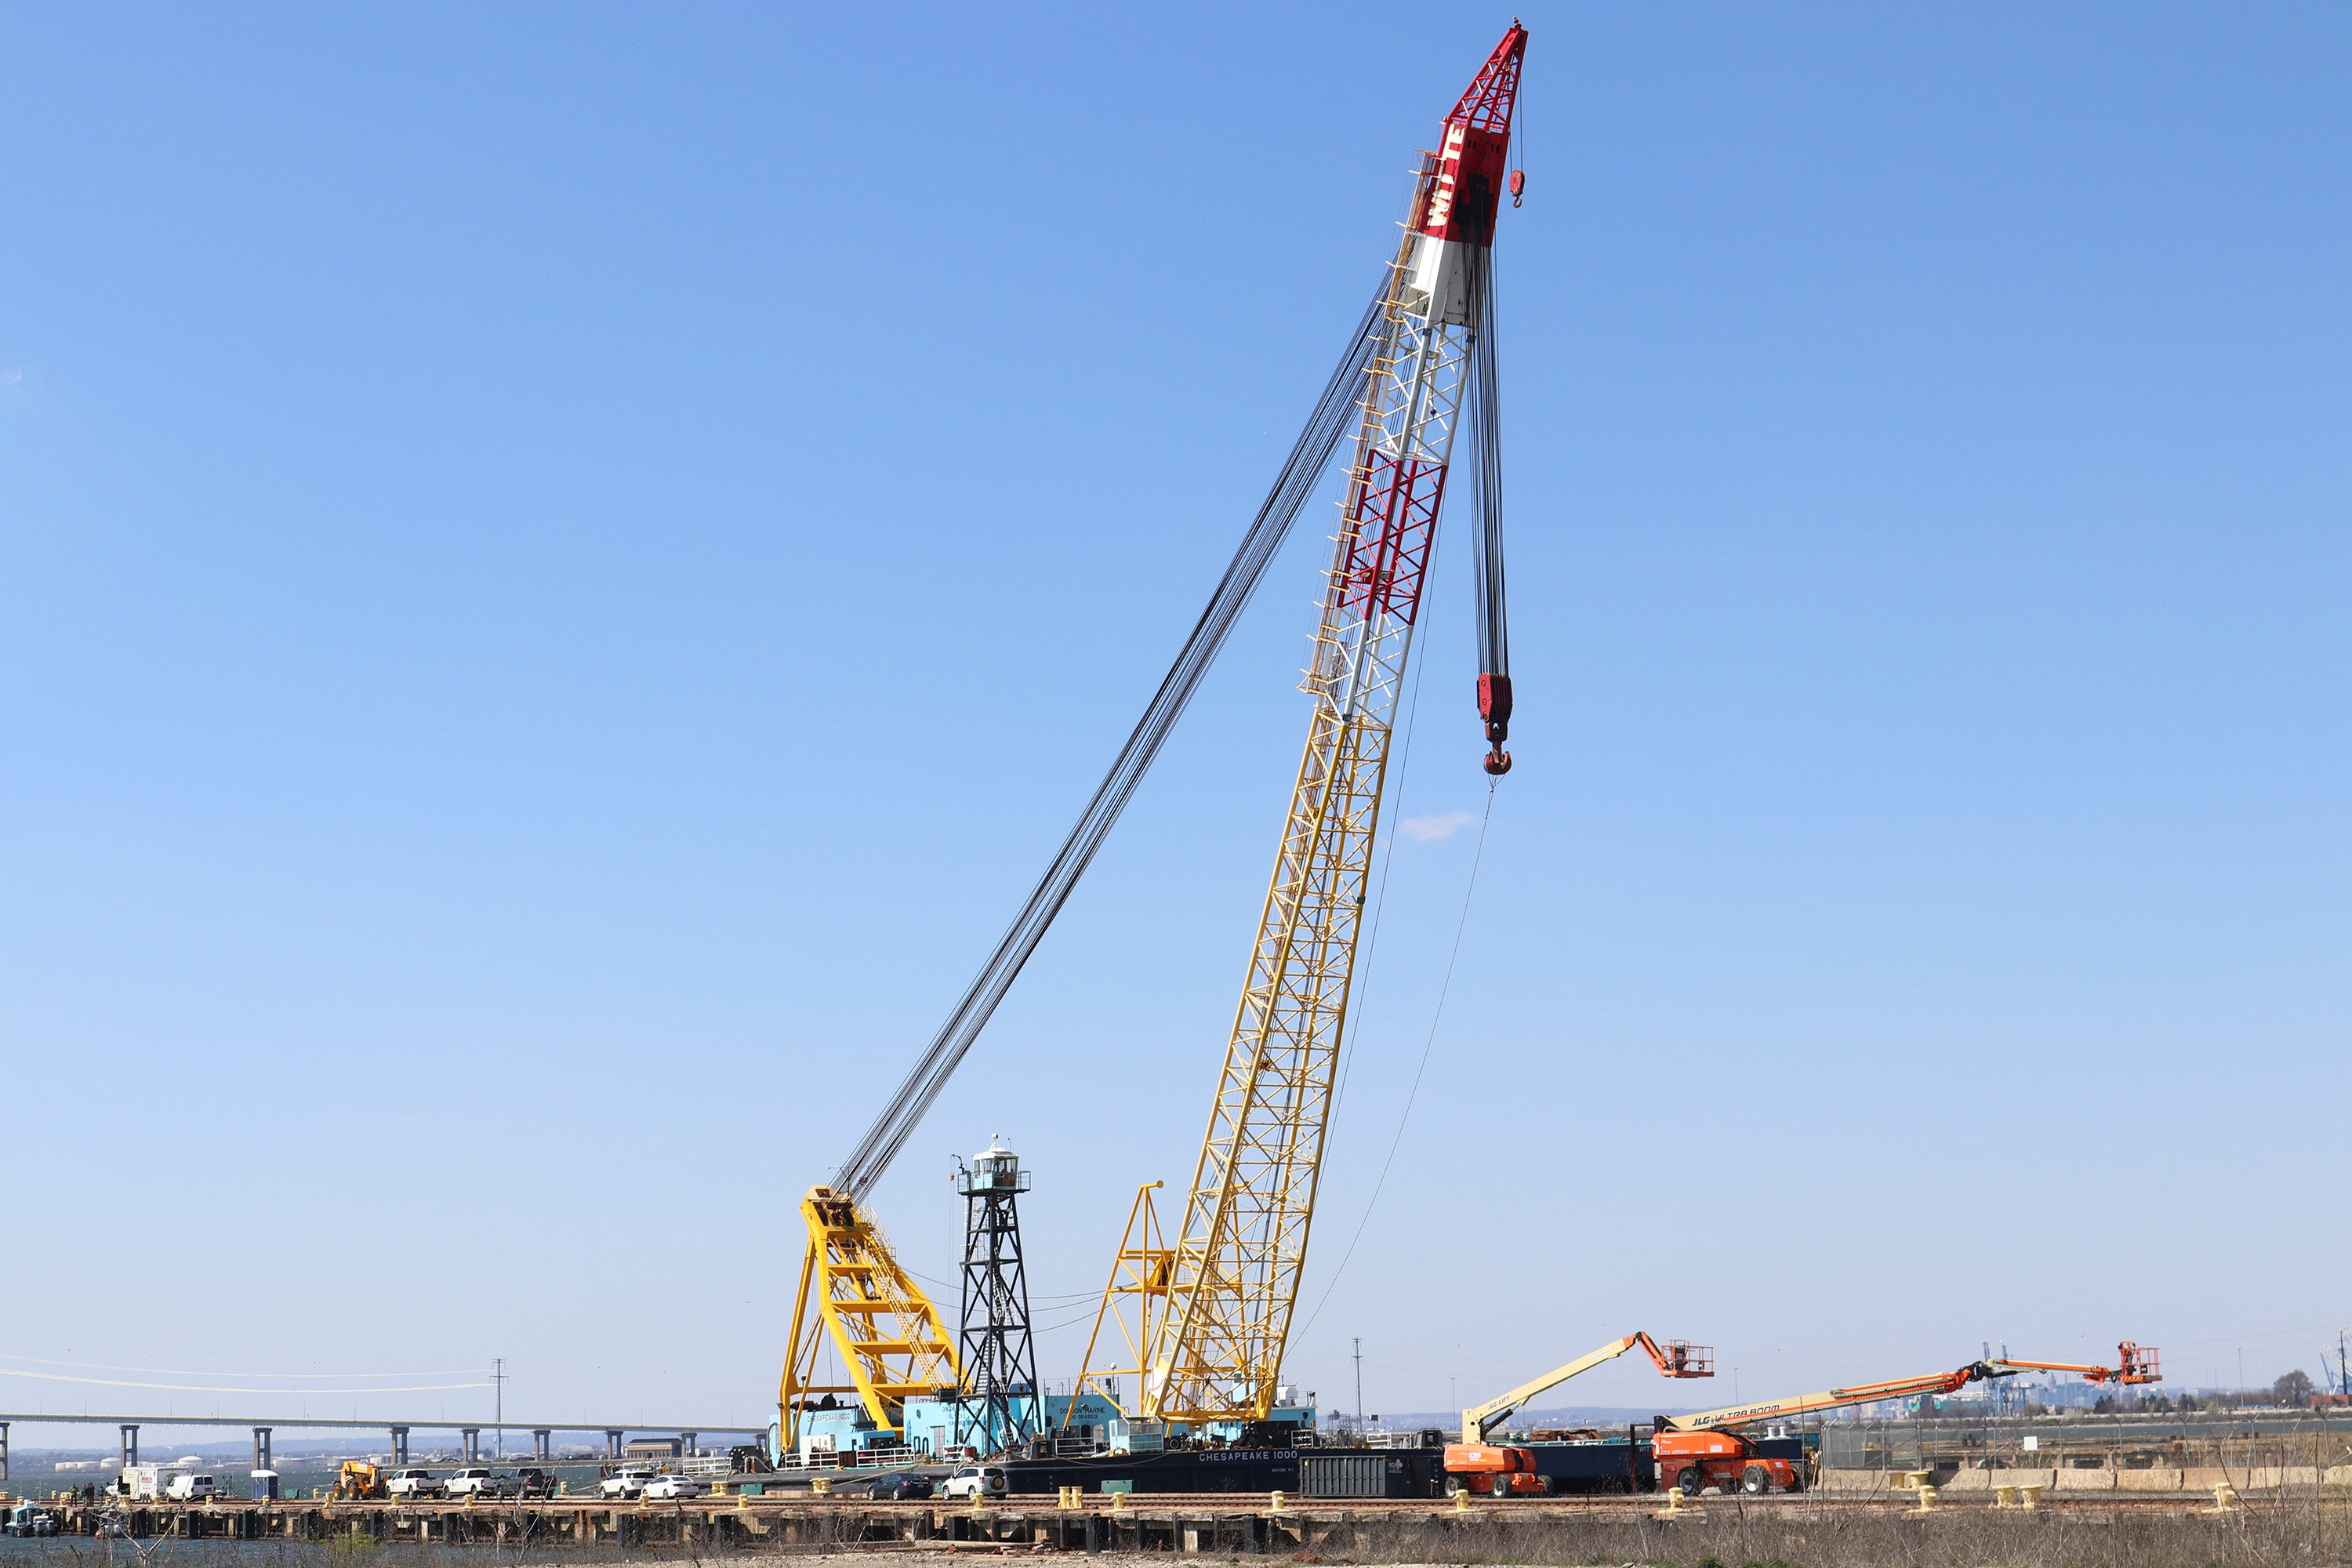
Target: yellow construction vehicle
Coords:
[(358, 1481), (1505, 1469)]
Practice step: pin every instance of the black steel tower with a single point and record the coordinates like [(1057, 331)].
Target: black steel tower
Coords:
[(999, 1404)]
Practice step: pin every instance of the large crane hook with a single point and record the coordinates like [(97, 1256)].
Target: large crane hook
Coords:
[(1494, 708)]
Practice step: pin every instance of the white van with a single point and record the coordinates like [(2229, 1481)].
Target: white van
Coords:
[(190, 1488)]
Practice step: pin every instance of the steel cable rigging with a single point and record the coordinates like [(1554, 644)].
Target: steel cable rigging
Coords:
[(1486, 494), (1309, 459)]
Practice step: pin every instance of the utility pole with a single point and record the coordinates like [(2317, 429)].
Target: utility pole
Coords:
[(1360, 1384), (498, 1423)]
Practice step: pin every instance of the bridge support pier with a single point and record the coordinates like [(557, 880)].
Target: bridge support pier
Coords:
[(543, 1444), (399, 1447), (685, 1443), (4, 1450), (130, 1445), (613, 1436), (473, 1436), (261, 1450)]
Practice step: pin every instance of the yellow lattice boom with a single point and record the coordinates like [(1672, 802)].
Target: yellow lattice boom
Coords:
[(885, 1330), (1215, 1354)]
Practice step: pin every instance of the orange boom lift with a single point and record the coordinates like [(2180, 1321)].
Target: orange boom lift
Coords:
[(1694, 1452)]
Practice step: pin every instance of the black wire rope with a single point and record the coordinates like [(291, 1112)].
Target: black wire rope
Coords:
[(1485, 418), (1333, 417)]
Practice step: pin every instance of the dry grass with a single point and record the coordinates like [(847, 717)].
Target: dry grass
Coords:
[(1860, 1538), (2268, 1535)]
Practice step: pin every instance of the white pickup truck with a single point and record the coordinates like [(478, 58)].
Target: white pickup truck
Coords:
[(477, 1481), (413, 1484)]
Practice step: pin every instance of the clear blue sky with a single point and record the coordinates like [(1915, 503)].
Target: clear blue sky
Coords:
[(564, 567)]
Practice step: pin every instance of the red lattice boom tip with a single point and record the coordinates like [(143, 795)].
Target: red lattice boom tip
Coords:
[(1495, 88)]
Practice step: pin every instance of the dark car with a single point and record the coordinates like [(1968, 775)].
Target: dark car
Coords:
[(531, 1483), (899, 1486)]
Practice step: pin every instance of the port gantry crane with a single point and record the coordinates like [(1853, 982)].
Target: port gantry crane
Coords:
[(1216, 1306)]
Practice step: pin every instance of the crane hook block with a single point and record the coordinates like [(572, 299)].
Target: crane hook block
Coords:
[(1498, 761), (1518, 185), (1495, 707)]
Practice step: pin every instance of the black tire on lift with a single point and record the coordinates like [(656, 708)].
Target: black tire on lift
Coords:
[(1500, 1486), (1693, 1479), (1755, 1480)]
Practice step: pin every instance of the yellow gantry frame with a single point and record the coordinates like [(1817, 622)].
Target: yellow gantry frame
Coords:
[(886, 1330), (1141, 1273)]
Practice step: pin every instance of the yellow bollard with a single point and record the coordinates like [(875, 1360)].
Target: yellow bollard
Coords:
[(1674, 1509), (2029, 1497), (1070, 1497), (1462, 1499), (1914, 1479), (1118, 1502), (820, 1486), (1926, 1499), (2004, 1497), (1275, 1504), (2225, 1501)]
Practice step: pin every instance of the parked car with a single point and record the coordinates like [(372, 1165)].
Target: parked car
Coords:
[(477, 1480), (673, 1485), (629, 1481), (976, 1481), (190, 1488), (529, 1482), (413, 1484), (898, 1485)]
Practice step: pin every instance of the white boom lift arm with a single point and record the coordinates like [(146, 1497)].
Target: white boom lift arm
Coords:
[(1677, 1357)]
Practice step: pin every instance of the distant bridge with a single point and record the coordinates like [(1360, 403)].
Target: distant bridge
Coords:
[(543, 1434)]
